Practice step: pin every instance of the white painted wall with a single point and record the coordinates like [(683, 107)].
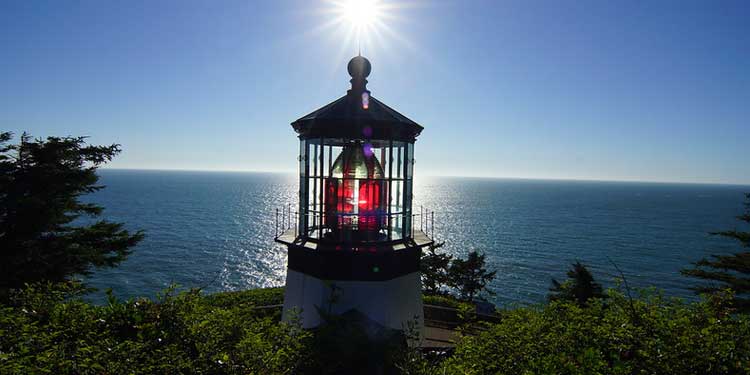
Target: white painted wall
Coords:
[(392, 303)]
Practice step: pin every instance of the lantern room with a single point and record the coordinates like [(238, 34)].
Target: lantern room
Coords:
[(355, 167)]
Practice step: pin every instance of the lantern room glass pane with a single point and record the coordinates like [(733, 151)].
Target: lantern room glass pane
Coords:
[(313, 210), (409, 160), (408, 184), (303, 168)]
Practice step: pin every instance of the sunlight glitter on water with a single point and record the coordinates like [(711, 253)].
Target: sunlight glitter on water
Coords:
[(215, 230)]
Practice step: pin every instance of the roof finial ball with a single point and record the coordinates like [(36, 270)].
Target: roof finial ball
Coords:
[(359, 68)]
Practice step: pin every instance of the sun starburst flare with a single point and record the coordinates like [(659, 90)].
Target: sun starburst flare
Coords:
[(361, 14), (367, 27)]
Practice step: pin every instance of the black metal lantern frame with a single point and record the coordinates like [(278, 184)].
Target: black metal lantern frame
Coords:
[(316, 161)]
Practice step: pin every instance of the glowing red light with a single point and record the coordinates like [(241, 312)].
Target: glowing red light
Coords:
[(354, 197)]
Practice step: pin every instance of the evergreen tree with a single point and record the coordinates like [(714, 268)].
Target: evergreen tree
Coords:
[(41, 182), (470, 277), (728, 271), (579, 288), (434, 269)]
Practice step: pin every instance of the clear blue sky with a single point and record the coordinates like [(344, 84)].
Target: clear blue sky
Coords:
[(626, 90)]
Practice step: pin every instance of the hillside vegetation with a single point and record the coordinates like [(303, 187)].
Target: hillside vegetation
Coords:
[(49, 329)]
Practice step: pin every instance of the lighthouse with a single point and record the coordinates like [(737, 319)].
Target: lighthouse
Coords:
[(354, 241)]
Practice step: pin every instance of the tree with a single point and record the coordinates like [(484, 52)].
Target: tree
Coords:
[(470, 277), (434, 269), (727, 271), (580, 286), (46, 232)]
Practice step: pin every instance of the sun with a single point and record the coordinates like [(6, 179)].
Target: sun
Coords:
[(360, 14), (369, 26)]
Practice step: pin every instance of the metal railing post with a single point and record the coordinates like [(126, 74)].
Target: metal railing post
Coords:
[(432, 219), (412, 225), (421, 218)]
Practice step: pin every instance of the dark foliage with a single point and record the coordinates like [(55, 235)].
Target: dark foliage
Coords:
[(579, 288), (257, 297), (352, 343), (470, 277), (41, 182), (442, 274), (45, 328), (434, 269), (727, 271), (647, 334), (445, 300)]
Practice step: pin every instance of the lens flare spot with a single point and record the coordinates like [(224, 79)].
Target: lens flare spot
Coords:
[(367, 150)]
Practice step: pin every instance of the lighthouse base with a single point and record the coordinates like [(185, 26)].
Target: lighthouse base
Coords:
[(394, 303)]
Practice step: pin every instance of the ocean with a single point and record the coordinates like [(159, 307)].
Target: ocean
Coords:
[(214, 230)]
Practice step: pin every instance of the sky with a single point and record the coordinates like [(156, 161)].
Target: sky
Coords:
[(603, 90)]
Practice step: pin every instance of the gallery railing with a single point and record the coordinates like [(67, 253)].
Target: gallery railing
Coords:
[(287, 219)]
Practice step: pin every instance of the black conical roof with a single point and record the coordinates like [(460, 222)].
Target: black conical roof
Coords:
[(357, 114)]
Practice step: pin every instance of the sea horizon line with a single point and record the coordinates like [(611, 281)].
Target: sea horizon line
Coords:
[(550, 179)]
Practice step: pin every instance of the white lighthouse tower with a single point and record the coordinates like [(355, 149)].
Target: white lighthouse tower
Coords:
[(354, 245)]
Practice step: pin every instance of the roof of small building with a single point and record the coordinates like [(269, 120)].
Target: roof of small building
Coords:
[(357, 115)]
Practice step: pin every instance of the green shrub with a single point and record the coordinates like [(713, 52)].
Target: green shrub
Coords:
[(47, 329), (444, 301), (649, 335), (251, 297), (184, 332)]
